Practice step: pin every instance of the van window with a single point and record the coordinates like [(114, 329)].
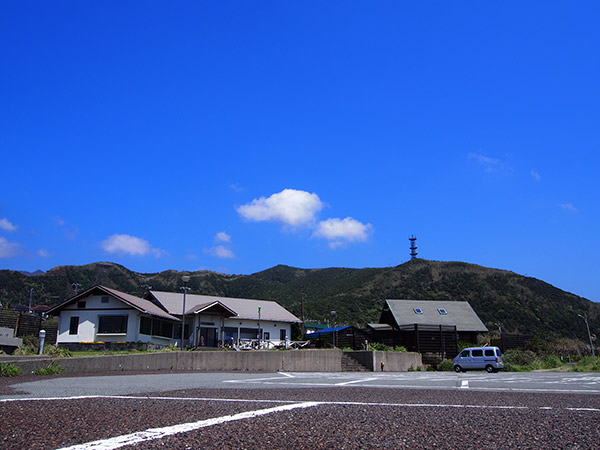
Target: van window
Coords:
[(490, 352), (498, 352), (465, 354), (477, 353)]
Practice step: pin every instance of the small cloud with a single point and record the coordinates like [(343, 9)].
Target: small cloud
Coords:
[(125, 244), (568, 207), (220, 251), (488, 163), (235, 188), (222, 237), (8, 249), (43, 253), (343, 231), (6, 225), (536, 175), (289, 207), (59, 221)]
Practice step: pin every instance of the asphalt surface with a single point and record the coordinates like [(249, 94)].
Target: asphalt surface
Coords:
[(303, 411)]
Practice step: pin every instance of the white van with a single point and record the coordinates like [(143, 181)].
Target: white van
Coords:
[(479, 358)]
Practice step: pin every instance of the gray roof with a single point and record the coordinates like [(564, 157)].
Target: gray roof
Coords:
[(243, 307), (457, 313)]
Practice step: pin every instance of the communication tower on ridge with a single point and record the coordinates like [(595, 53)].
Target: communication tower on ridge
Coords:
[(413, 246)]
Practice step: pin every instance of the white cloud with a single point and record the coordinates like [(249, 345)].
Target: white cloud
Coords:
[(290, 207), (220, 251), (222, 236), (342, 231), (536, 175), (568, 207), (8, 249), (488, 163), (128, 245), (43, 253), (6, 225)]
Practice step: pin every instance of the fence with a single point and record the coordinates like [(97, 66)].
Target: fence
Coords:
[(26, 324)]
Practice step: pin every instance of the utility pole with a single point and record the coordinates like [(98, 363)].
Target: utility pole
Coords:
[(30, 297), (584, 317), (302, 312)]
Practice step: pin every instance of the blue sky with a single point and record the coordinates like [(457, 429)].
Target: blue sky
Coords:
[(234, 136)]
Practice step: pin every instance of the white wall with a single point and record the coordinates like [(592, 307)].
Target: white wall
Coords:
[(89, 319)]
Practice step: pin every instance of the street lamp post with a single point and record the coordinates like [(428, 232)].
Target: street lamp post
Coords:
[(185, 279), (587, 325), (334, 315), (259, 330)]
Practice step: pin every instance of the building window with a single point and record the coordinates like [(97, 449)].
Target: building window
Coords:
[(162, 328), (104, 299), (81, 304), (267, 335), (418, 311), (146, 325), (282, 334), (74, 325), (112, 324)]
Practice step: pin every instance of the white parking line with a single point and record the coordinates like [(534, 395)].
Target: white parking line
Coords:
[(345, 383), (159, 433)]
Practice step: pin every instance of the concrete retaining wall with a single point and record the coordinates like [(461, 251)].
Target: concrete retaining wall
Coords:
[(393, 361), (219, 361), (252, 361)]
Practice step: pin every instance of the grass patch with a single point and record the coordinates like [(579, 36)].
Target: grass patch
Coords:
[(588, 364), (9, 370), (52, 369)]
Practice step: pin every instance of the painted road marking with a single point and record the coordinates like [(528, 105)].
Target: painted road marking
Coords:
[(464, 384), (159, 433), (288, 403), (345, 383)]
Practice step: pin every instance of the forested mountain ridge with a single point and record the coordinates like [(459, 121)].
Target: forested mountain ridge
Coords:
[(518, 303)]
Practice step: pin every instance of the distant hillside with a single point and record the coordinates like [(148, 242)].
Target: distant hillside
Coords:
[(518, 303)]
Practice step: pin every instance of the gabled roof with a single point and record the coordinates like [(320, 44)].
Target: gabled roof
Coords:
[(140, 304), (430, 312), (213, 308), (243, 308)]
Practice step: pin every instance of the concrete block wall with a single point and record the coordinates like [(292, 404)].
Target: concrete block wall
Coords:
[(218, 361)]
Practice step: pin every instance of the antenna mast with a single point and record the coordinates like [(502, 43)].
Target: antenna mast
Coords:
[(413, 246)]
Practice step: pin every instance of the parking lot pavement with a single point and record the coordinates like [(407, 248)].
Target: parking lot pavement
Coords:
[(574, 383), (300, 411)]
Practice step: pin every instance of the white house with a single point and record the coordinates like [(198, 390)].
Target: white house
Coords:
[(212, 320), (101, 314)]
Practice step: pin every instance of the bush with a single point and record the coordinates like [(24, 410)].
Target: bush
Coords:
[(52, 369), (445, 366), (519, 357), (377, 347), (28, 347), (588, 364), (551, 362), (9, 370)]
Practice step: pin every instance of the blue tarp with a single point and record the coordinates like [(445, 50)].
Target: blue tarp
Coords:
[(326, 331)]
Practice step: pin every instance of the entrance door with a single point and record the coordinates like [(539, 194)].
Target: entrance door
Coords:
[(208, 337)]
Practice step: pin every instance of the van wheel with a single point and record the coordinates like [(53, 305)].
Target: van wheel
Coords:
[(489, 369), (457, 369)]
